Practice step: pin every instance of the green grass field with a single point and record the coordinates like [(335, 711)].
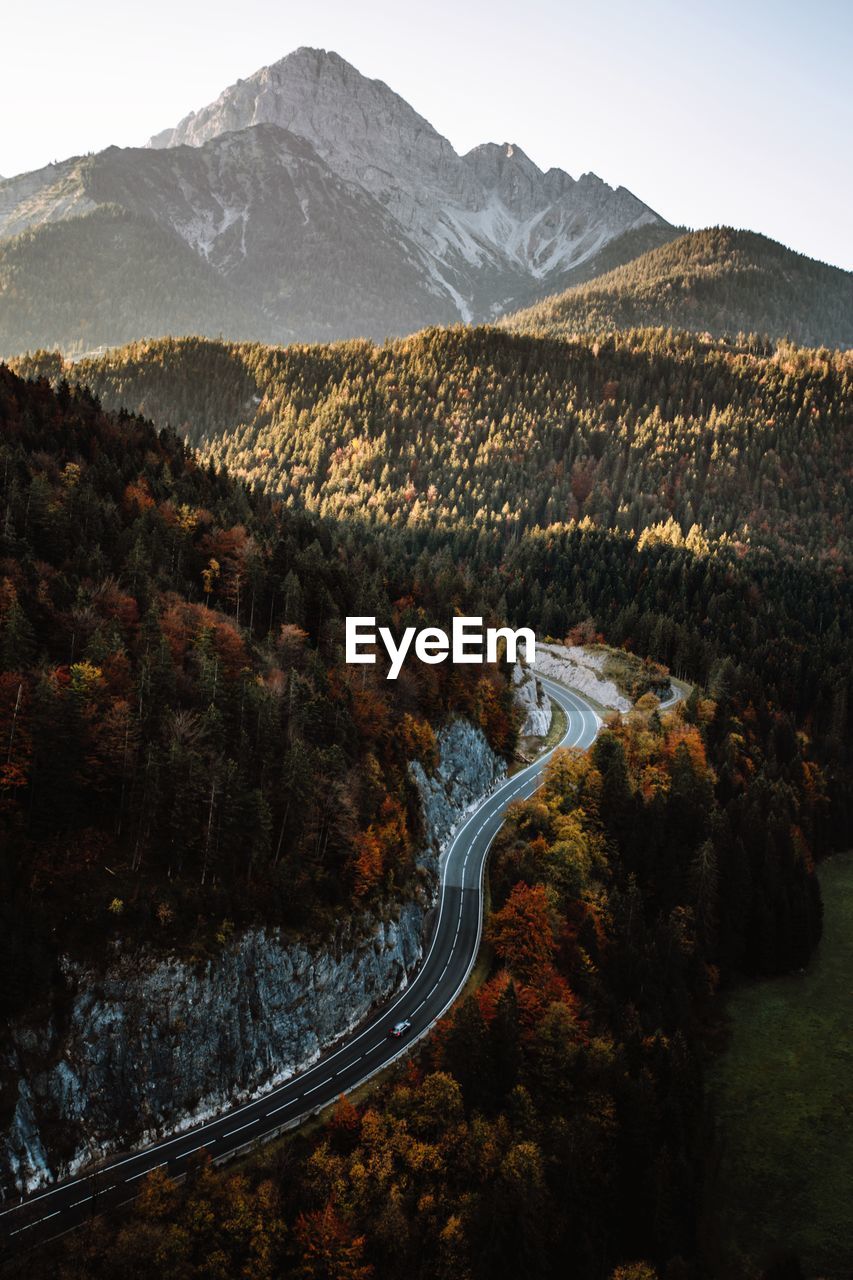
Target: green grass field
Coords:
[(783, 1097)]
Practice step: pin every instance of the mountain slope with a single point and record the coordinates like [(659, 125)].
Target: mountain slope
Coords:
[(718, 281), (330, 208), (171, 651), (110, 276), (480, 429), (257, 222), (492, 212), (193, 731)]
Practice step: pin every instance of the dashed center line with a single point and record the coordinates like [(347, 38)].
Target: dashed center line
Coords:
[(240, 1129), (315, 1087), (283, 1107), (495, 811), (143, 1172), (55, 1214)]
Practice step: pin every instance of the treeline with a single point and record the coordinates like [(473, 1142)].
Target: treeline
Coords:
[(183, 748), (554, 1122), (717, 281), (458, 429)]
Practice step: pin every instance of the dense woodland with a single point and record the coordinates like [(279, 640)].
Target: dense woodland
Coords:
[(684, 498), (717, 281), (554, 1123), (182, 745), (66, 283), (486, 431)]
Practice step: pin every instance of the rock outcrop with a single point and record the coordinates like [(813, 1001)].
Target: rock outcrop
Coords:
[(154, 1043), (574, 666), (532, 700)]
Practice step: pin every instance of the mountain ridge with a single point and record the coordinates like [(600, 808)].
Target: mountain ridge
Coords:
[(331, 208), (310, 203), (717, 280), (437, 196)]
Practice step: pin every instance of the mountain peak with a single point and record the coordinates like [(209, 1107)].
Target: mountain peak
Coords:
[(308, 151)]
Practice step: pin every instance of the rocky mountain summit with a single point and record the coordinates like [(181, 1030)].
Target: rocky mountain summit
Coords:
[(320, 200), (492, 211)]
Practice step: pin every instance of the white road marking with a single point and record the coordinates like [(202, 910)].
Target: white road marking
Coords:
[(55, 1214), (247, 1125), (283, 1107), (315, 1087), (142, 1174), (66, 1186), (533, 777)]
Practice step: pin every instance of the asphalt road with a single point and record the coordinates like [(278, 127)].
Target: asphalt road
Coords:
[(448, 961)]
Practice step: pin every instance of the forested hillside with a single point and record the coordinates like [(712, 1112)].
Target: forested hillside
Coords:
[(182, 743), (65, 283), (484, 430), (555, 1118), (718, 281), (178, 720)]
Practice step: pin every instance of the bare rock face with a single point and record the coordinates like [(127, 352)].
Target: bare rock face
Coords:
[(154, 1043), (328, 205), (532, 700), (302, 251), (363, 130), (467, 768), (493, 208)]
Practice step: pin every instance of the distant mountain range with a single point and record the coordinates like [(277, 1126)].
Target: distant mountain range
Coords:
[(309, 203), (314, 203)]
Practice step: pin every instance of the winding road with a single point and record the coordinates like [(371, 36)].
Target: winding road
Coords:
[(438, 981)]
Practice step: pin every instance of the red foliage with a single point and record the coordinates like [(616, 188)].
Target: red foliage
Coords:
[(522, 934), (328, 1249)]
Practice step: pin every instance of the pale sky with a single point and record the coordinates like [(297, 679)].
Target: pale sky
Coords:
[(737, 112)]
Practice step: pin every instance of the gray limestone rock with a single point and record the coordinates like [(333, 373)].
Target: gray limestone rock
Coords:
[(154, 1043)]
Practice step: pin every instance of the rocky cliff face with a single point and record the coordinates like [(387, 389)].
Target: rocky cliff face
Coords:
[(155, 1044), (492, 211), (466, 770), (532, 701)]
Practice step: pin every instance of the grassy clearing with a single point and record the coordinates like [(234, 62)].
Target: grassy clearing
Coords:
[(559, 725), (783, 1097)]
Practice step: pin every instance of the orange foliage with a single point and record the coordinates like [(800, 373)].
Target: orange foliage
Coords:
[(522, 934), (230, 647), (328, 1249), (380, 846), (687, 735), (368, 864), (137, 496), (371, 714), (418, 741), (345, 1119)]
